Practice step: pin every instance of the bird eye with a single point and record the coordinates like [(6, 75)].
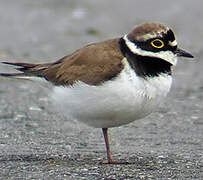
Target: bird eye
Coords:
[(157, 43)]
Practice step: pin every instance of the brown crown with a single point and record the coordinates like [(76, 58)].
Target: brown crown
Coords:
[(142, 32)]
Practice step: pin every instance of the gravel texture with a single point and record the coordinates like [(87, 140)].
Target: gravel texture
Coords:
[(38, 143)]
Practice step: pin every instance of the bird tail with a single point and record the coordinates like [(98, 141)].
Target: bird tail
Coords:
[(27, 71)]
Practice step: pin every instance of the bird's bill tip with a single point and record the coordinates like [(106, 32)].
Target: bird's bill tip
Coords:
[(183, 53)]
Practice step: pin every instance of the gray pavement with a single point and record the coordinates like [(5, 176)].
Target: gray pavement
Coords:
[(38, 143)]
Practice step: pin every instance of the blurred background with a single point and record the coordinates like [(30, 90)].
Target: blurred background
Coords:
[(49, 29), (46, 30)]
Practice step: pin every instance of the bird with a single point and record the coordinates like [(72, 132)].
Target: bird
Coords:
[(111, 83)]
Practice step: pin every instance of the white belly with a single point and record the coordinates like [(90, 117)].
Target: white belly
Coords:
[(117, 102)]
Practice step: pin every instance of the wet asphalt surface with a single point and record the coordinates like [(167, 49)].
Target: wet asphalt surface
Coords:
[(38, 143)]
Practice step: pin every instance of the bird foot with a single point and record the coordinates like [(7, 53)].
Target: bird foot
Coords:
[(114, 162)]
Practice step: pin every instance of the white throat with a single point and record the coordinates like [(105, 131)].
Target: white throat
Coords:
[(165, 55)]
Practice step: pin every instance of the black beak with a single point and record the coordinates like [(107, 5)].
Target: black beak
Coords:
[(180, 52)]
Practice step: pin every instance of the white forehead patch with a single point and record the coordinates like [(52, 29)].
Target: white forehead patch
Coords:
[(165, 55), (173, 43)]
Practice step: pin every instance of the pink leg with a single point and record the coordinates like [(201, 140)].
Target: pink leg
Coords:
[(108, 149)]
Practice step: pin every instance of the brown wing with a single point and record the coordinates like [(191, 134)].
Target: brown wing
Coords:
[(92, 64)]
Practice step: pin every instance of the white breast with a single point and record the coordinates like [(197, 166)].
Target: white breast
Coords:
[(120, 101)]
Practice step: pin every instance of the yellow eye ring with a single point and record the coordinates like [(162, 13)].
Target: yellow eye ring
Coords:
[(157, 43)]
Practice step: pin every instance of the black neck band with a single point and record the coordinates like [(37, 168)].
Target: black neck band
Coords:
[(145, 65)]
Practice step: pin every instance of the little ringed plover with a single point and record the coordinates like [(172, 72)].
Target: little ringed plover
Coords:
[(114, 82)]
